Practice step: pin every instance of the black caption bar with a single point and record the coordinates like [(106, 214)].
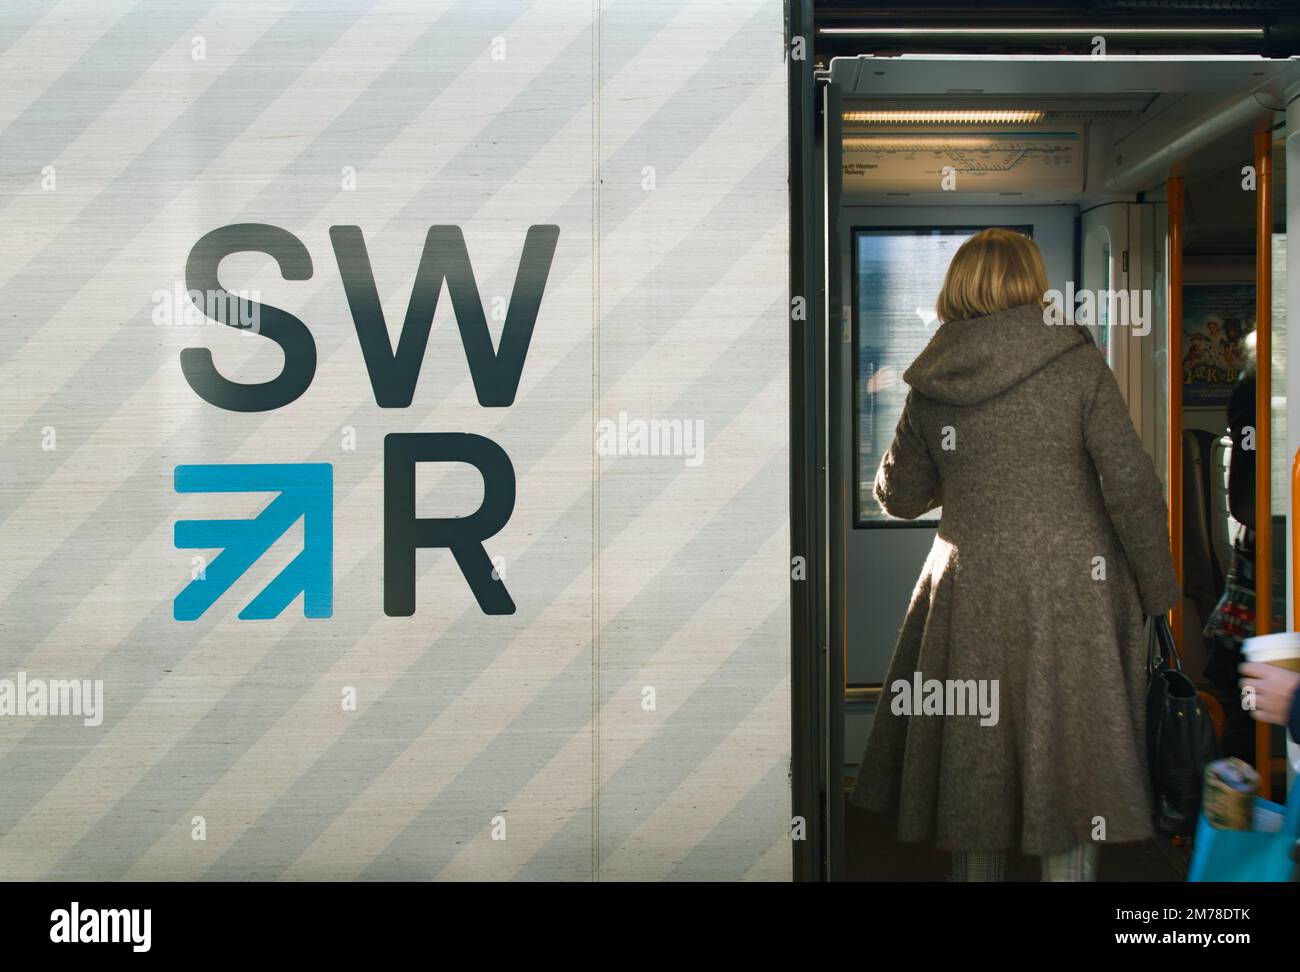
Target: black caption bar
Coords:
[(140, 922)]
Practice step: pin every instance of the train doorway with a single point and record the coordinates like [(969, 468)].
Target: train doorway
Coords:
[(1155, 186)]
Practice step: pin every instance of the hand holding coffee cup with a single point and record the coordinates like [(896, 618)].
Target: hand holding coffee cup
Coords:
[(1271, 676), (1272, 690)]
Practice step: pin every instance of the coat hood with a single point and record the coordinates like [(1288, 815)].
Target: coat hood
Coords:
[(972, 360)]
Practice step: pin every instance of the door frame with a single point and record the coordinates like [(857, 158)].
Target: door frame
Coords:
[(808, 798)]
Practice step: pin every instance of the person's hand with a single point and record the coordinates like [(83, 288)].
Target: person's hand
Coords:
[(1268, 691), (885, 377)]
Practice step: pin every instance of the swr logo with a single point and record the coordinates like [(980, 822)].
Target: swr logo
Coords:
[(305, 490)]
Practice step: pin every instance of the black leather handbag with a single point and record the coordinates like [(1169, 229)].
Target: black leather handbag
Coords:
[(1180, 735)]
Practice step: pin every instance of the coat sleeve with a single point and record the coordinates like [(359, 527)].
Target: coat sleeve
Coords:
[(907, 483), (1133, 495)]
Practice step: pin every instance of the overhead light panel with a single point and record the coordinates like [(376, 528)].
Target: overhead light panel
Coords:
[(925, 140), (944, 116)]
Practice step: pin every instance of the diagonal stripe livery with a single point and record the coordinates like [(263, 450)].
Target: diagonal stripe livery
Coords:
[(306, 492), (613, 560)]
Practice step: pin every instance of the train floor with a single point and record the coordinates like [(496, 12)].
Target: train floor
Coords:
[(875, 855)]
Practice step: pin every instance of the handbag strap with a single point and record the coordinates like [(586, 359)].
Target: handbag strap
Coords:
[(1161, 650)]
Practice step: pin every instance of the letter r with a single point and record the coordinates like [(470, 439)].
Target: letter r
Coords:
[(463, 535)]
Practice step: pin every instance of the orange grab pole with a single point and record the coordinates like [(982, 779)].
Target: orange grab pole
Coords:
[(1295, 540), (1175, 351)]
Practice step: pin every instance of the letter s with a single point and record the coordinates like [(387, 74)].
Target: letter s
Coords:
[(280, 326)]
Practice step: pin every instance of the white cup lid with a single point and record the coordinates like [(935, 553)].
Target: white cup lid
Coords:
[(1272, 647)]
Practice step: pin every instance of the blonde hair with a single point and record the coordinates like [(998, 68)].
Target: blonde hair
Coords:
[(993, 270)]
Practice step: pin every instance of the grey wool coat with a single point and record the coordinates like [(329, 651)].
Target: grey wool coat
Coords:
[(1017, 430)]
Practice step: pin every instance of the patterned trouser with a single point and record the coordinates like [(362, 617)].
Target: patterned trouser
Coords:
[(1079, 863)]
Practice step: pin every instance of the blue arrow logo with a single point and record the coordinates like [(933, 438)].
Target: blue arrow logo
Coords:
[(306, 492)]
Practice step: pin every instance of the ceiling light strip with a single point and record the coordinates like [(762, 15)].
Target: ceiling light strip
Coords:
[(974, 116)]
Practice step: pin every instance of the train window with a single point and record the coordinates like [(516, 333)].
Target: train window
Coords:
[(897, 274)]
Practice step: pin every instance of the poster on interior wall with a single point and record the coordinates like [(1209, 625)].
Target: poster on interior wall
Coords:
[(1216, 320)]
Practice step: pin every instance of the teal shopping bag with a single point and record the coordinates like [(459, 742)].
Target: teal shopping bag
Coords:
[(1262, 854)]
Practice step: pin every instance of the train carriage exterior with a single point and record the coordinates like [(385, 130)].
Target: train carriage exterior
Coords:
[(619, 231), (438, 437)]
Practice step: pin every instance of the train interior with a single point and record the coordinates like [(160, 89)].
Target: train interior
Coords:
[(1124, 170)]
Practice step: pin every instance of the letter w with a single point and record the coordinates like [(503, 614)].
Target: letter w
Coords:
[(496, 373)]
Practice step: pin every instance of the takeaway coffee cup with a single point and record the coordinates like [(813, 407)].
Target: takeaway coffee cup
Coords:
[(1281, 649)]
